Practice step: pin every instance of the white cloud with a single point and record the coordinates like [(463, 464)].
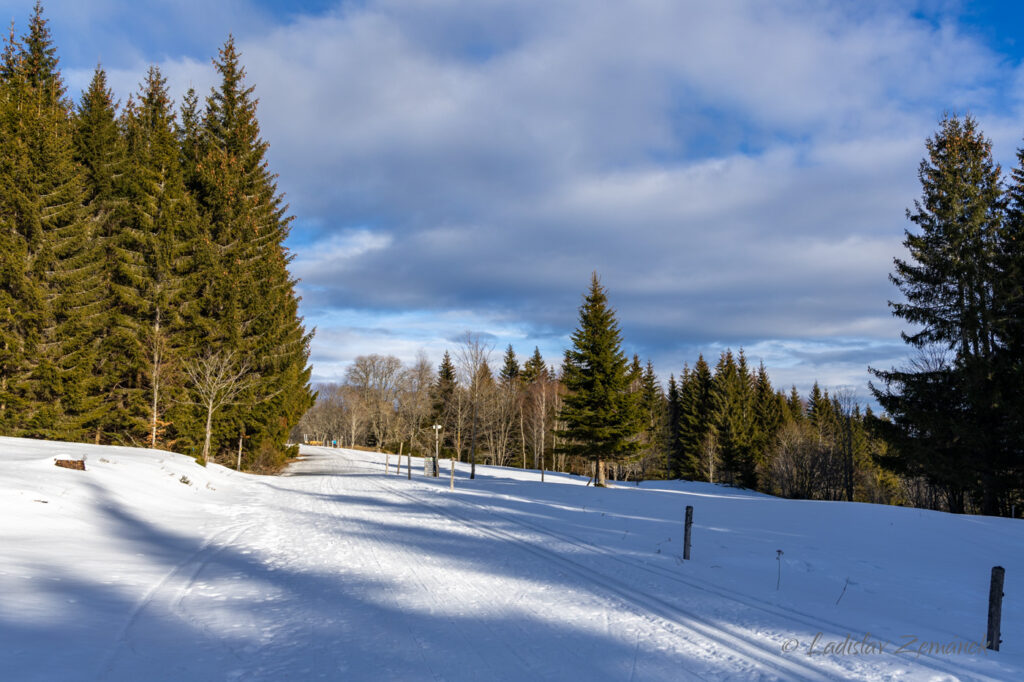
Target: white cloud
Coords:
[(736, 171)]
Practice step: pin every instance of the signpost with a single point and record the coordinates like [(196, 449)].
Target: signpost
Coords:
[(437, 445)]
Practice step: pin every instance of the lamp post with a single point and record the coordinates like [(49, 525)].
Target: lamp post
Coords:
[(437, 445)]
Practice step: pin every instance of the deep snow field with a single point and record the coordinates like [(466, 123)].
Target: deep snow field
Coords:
[(147, 566)]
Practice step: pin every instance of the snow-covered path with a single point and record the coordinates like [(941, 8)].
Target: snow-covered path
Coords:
[(337, 571)]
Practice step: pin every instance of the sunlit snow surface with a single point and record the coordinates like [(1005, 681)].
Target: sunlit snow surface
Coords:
[(340, 572)]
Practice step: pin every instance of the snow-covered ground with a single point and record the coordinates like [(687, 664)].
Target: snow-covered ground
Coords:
[(148, 567)]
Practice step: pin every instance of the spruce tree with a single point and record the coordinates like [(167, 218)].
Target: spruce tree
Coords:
[(947, 284), (443, 390), (99, 151), (189, 133), (653, 408), (733, 419), (159, 244), (510, 369), (597, 412), (534, 368), (56, 273), (795, 405), (249, 304), (767, 418), (1009, 323), (21, 295), (696, 410), (635, 376), (671, 445)]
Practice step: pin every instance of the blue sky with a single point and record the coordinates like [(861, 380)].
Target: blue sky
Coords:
[(737, 172)]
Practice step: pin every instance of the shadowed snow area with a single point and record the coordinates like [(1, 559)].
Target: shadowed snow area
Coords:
[(148, 567)]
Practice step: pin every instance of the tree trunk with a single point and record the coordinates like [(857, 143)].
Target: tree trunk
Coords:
[(472, 446), (543, 425), (602, 481), (238, 465), (557, 461), (209, 430), (848, 459), (522, 436), (156, 380)]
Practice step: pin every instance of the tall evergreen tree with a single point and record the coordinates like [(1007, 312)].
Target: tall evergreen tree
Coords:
[(672, 458), (510, 369), (653, 409), (534, 368), (796, 411), (56, 272), (443, 390), (1009, 324), (696, 409), (21, 296), (948, 288), (249, 303), (100, 152), (159, 244), (768, 418), (597, 411), (189, 132), (733, 419)]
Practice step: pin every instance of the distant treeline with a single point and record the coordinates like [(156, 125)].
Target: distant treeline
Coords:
[(725, 425), (141, 254)]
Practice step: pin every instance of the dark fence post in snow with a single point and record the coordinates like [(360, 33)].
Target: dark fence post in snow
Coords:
[(686, 533), (995, 608)]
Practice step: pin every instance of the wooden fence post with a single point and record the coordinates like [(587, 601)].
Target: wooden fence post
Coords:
[(686, 533), (995, 608)]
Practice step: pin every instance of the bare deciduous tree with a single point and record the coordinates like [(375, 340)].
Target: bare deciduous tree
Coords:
[(795, 470), (505, 406), (414, 406), (354, 410), (473, 354), (376, 380), (217, 379)]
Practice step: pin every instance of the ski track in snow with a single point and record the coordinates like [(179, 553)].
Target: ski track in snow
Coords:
[(196, 562), (338, 571), (509, 663), (654, 610), (725, 635)]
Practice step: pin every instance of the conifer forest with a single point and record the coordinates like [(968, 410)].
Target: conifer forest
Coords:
[(146, 298)]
